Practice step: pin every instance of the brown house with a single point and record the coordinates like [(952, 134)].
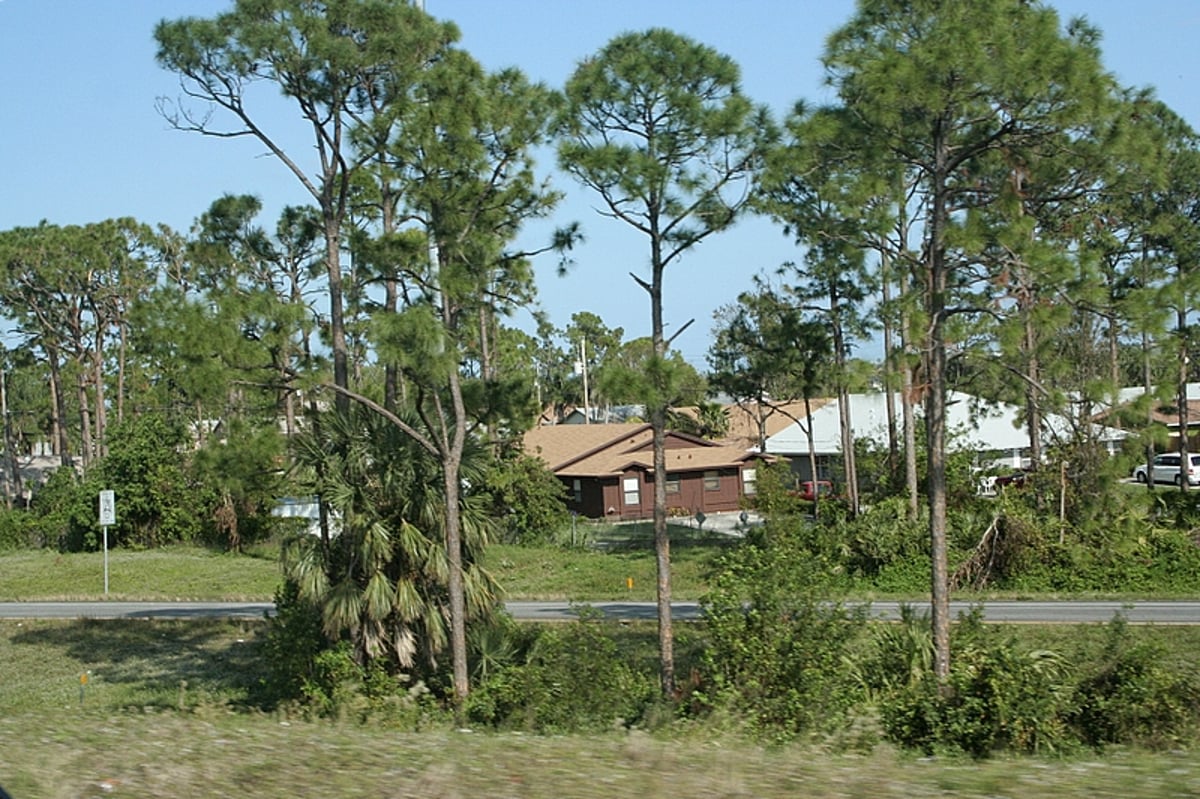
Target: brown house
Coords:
[(608, 470)]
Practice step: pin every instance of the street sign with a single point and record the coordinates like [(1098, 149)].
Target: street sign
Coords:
[(108, 509), (108, 517)]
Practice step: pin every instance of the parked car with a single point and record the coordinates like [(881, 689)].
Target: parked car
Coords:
[(1166, 469), (1015, 479), (809, 490)]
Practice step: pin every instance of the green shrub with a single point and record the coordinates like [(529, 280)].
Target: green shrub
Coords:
[(777, 648), (996, 698), (334, 682), (1130, 696), (65, 511), (293, 640), (323, 678), (883, 539), (1172, 506), (17, 530), (899, 655), (529, 500), (573, 679), (156, 502)]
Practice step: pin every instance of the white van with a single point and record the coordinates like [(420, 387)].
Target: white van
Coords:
[(1165, 469)]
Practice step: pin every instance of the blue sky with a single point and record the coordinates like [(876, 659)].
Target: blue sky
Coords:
[(82, 140)]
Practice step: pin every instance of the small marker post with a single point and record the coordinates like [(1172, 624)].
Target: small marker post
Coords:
[(108, 516)]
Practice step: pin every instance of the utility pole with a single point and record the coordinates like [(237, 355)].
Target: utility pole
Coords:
[(12, 470), (587, 414)]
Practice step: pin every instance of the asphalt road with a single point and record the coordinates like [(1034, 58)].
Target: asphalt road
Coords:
[(1156, 612)]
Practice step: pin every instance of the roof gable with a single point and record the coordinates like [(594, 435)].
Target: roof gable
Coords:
[(579, 450), (560, 445)]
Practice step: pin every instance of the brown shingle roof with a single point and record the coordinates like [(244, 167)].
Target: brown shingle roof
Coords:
[(1169, 414), (561, 444), (690, 459), (604, 449)]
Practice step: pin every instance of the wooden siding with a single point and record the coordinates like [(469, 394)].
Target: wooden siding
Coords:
[(604, 498)]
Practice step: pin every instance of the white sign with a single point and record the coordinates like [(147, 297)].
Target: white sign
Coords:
[(108, 509)]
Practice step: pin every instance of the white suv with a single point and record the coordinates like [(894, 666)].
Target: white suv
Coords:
[(1165, 469)]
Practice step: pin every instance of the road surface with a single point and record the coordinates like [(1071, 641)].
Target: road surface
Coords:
[(1017, 611)]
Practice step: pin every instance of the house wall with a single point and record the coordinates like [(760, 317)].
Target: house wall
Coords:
[(695, 495), (802, 471), (599, 495), (589, 496)]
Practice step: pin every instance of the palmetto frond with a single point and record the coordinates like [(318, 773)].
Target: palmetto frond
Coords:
[(378, 597), (342, 608), (303, 565), (407, 601)]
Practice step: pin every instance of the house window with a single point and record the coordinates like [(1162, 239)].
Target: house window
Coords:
[(577, 490), (749, 482), (672, 485), (712, 481), (632, 495)]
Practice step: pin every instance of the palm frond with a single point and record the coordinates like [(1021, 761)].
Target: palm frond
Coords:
[(378, 597), (408, 602), (342, 611)]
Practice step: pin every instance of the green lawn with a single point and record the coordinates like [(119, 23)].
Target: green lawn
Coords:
[(171, 573), (617, 564), (578, 574)]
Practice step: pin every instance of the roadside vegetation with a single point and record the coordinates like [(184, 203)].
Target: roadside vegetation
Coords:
[(1038, 250), (173, 707), (779, 659)]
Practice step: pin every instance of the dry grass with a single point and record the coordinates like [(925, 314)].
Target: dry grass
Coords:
[(218, 754)]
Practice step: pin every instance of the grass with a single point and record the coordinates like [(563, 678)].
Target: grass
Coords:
[(620, 566), (581, 574), (171, 573), (168, 708), (217, 755), (164, 715)]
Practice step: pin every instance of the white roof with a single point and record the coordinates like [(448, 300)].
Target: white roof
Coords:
[(1130, 393), (971, 424)]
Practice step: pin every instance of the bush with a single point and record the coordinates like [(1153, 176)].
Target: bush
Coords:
[(882, 539), (294, 639), (572, 679), (997, 697), (16, 530), (529, 499), (1129, 696), (324, 679), (777, 649), (65, 511)]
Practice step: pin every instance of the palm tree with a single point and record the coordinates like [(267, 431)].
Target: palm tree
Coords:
[(379, 570)]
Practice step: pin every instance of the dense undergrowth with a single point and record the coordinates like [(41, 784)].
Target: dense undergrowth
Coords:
[(790, 669), (780, 658)]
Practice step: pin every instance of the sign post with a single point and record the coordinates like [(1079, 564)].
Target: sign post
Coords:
[(108, 517)]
